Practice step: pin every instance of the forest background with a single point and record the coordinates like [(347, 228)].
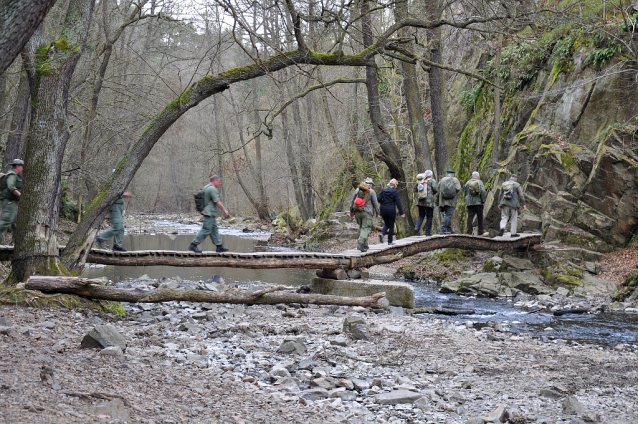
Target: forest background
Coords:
[(292, 103)]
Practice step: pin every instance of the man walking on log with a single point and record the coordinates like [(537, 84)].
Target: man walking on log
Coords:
[(212, 205), (475, 200), (116, 216), (449, 189), (11, 192), (511, 199), (364, 206)]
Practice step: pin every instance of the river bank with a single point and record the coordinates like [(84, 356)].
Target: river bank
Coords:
[(186, 362)]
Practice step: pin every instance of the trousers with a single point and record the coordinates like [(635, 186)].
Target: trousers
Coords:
[(389, 217), (510, 214), (427, 214), (116, 230), (471, 212), (446, 225), (364, 220), (209, 228)]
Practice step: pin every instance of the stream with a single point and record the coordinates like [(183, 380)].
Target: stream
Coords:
[(607, 329)]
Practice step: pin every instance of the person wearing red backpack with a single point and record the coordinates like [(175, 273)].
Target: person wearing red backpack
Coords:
[(364, 206)]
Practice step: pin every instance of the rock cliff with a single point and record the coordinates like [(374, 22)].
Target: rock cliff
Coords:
[(568, 130)]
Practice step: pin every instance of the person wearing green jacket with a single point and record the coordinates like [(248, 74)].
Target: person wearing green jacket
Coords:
[(449, 189), (11, 192), (511, 198), (116, 230), (212, 206), (365, 211), (474, 201)]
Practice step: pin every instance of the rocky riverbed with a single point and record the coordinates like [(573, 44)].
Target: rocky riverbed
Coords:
[(184, 362)]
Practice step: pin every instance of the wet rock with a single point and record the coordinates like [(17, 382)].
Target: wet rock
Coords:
[(115, 409), (396, 397), (571, 406), (292, 345), (103, 336)]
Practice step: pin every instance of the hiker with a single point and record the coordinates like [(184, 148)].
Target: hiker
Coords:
[(364, 206), (389, 200), (475, 200), (11, 192), (426, 189), (449, 189), (212, 205), (511, 199), (116, 230)]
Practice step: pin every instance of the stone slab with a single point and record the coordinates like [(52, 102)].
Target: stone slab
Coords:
[(397, 293)]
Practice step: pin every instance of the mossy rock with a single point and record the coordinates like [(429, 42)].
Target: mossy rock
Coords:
[(10, 295), (628, 288)]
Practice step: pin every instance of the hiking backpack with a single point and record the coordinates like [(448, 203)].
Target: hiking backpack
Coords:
[(475, 187), (363, 195), (448, 189), (422, 190), (508, 189), (199, 201)]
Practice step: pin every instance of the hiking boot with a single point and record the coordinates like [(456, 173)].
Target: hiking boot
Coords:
[(501, 232), (516, 235), (391, 243), (380, 238), (119, 249), (428, 234), (193, 247), (99, 242), (221, 249)]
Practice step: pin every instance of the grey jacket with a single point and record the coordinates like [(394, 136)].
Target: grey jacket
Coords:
[(371, 206)]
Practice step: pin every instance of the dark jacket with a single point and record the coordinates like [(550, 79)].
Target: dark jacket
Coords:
[(388, 198)]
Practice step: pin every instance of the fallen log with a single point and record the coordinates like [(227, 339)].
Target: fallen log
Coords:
[(440, 311), (95, 289)]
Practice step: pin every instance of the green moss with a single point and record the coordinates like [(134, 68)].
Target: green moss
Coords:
[(489, 266), (117, 308), (61, 44), (32, 298)]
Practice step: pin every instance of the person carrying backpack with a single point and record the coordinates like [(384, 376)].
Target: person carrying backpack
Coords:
[(511, 198), (364, 206), (212, 205), (389, 200), (426, 188), (449, 189), (11, 192), (475, 200), (116, 230)]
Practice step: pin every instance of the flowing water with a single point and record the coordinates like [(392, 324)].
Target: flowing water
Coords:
[(605, 328)]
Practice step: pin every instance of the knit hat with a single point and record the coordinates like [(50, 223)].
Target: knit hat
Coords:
[(368, 180), (428, 173)]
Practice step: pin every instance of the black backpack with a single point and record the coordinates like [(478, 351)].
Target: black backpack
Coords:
[(200, 204)]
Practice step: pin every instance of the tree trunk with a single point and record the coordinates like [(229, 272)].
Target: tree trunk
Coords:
[(18, 122), (36, 249), (304, 167), (436, 89), (95, 289), (390, 153), (18, 21), (412, 94), (264, 208), (290, 153), (306, 160), (497, 104)]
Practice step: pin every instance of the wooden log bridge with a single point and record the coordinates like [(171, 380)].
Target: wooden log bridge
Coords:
[(350, 259)]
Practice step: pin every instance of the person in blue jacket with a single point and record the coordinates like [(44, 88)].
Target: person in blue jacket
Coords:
[(389, 201)]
